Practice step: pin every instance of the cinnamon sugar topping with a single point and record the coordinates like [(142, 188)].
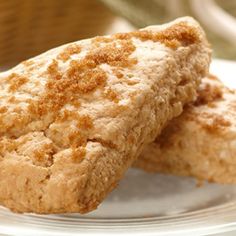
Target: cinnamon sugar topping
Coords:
[(78, 154), (70, 50), (28, 63), (16, 81), (114, 55), (174, 36), (83, 76), (217, 124), (177, 35), (111, 95)]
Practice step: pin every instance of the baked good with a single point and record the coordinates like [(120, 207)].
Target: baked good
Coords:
[(73, 119), (201, 142)]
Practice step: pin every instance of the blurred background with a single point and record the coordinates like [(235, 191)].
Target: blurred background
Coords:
[(29, 27)]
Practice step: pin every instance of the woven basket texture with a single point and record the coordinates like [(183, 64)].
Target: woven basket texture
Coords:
[(29, 27)]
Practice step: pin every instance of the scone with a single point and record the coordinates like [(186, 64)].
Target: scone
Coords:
[(73, 119), (201, 142)]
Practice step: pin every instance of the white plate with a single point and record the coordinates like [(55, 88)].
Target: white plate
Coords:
[(144, 204)]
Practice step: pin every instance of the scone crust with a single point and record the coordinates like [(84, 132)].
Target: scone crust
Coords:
[(76, 117)]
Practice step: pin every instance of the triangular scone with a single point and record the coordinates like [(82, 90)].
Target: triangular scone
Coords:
[(201, 142), (76, 117)]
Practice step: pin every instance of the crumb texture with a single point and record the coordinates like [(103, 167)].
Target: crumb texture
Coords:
[(73, 119), (201, 142)]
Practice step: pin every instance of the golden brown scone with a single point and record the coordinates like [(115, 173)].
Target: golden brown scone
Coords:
[(75, 118), (201, 142)]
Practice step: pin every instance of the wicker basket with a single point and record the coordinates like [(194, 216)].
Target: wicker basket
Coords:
[(29, 27)]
